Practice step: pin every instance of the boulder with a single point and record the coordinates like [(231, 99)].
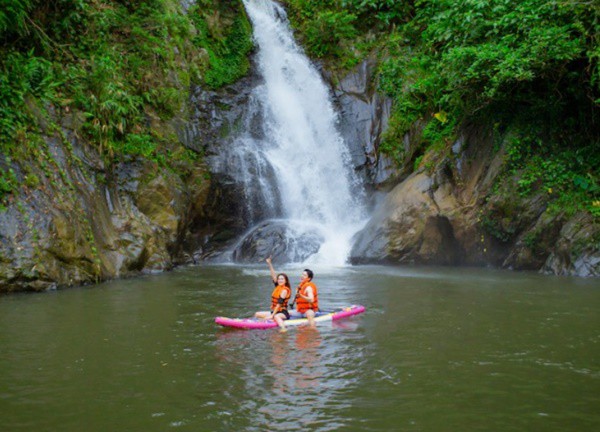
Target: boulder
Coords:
[(577, 250), (283, 242), (409, 227)]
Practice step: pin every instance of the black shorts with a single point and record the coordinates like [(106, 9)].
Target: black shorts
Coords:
[(285, 312)]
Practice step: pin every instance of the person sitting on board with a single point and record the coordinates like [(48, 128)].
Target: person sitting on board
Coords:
[(307, 299), (279, 298)]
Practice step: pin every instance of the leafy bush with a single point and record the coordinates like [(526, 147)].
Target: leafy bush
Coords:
[(226, 35), (382, 13), (327, 30), (145, 146), (477, 55), (22, 75), (569, 176)]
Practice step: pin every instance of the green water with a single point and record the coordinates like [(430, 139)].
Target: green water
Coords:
[(437, 350)]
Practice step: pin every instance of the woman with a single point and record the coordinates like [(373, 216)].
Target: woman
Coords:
[(279, 298)]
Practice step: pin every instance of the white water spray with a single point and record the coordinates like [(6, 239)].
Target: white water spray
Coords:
[(310, 162)]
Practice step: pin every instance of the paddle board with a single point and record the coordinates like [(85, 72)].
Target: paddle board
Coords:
[(295, 319)]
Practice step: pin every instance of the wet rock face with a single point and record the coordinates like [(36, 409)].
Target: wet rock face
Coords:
[(278, 240), (87, 222), (216, 115), (452, 215), (364, 115), (439, 244), (217, 120), (407, 227), (576, 252)]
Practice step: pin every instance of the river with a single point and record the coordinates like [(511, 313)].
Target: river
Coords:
[(438, 349)]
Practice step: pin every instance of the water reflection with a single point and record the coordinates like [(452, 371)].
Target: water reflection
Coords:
[(309, 368), (278, 360), (290, 380)]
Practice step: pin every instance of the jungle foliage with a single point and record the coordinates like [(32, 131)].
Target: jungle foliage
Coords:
[(531, 68), (115, 66)]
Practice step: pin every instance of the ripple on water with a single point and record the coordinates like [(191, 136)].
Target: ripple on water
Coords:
[(426, 351)]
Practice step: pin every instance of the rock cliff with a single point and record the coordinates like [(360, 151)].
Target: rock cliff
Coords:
[(87, 221), (458, 207)]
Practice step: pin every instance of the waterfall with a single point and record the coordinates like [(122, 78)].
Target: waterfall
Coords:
[(290, 157)]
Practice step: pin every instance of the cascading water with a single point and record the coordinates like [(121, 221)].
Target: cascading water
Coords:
[(295, 166)]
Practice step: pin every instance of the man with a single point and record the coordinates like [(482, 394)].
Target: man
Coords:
[(307, 298)]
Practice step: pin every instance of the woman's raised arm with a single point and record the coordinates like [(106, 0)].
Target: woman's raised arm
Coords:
[(273, 274)]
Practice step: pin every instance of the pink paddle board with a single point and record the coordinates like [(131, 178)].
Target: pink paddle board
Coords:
[(254, 323)]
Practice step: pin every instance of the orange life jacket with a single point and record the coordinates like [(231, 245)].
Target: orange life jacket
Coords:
[(303, 305), (276, 295)]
